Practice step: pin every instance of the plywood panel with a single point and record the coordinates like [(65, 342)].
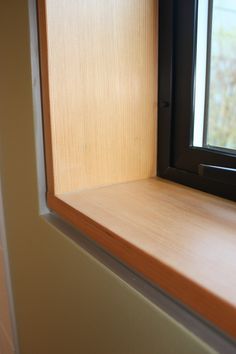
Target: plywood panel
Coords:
[(102, 88)]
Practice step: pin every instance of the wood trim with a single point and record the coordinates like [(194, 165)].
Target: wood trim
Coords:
[(193, 291), (43, 56)]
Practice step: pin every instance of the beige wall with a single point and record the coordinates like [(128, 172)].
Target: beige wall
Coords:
[(6, 337), (66, 302)]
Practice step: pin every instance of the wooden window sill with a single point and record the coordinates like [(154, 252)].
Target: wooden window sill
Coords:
[(181, 239)]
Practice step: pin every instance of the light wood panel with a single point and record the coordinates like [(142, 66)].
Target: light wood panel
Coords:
[(102, 74), (181, 239)]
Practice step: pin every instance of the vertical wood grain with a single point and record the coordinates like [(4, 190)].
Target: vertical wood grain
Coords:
[(102, 91)]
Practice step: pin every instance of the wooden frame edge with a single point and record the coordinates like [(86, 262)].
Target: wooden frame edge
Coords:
[(43, 59)]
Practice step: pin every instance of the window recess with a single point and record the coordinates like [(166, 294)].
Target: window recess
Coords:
[(98, 62)]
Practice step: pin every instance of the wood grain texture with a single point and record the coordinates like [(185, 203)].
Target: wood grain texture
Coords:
[(181, 239), (102, 74)]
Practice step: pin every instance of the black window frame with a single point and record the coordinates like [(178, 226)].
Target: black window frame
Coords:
[(205, 168)]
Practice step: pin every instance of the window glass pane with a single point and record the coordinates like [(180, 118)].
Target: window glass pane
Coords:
[(200, 72), (222, 85), (215, 75)]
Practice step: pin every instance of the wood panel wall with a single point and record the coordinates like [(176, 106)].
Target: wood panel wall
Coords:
[(102, 74)]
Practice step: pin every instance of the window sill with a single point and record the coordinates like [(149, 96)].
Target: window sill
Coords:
[(181, 239)]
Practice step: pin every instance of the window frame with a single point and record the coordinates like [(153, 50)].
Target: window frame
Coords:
[(178, 159)]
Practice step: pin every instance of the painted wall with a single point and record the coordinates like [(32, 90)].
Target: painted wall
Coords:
[(6, 337), (66, 302)]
